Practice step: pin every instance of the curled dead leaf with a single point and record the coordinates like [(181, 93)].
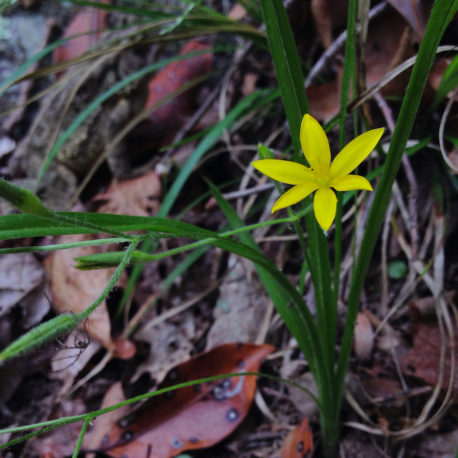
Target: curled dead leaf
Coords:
[(74, 290)]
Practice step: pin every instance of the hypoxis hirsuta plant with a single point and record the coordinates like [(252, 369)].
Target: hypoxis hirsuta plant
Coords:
[(328, 367), (320, 177)]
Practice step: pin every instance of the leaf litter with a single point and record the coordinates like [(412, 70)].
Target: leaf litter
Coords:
[(387, 354)]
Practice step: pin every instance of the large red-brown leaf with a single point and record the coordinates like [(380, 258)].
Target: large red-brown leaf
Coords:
[(194, 417), (88, 20), (172, 78), (299, 443), (165, 120)]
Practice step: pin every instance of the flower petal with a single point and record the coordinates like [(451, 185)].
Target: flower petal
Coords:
[(284, 171), (355, 152), (324, 205), (315, 145), (350, 183), (294, 195)]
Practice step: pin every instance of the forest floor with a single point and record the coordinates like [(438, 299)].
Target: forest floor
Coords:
[(401, 386)]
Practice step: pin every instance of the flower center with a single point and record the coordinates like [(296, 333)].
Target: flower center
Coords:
[(323, 178)]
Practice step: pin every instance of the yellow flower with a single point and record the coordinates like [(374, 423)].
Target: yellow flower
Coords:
[(321, 176)]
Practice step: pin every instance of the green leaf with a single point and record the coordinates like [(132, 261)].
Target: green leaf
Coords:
[(43, 333), (448, 82), (287, 65), (202, 148), (291, 83), (397, 269), (264, 152), (19, 226), (22, 198)]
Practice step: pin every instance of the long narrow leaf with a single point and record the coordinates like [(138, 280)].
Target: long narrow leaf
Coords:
[(287, 65), (202, 148)]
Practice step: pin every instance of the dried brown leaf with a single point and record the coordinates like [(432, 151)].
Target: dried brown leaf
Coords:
[(74, 290), (138, 196)]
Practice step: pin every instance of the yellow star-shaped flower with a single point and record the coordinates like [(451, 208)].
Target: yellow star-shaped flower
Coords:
[(321, 176)]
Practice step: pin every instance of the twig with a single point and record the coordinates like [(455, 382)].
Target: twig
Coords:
[(338, 42)]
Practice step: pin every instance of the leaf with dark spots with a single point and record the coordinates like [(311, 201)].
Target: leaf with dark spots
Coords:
[(194, 417), (299, 443)]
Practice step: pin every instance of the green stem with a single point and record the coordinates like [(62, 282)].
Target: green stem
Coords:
[(81, 436), (114, 278)]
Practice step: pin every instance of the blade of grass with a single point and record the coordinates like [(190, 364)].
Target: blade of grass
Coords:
[(348, 71), (287, 66), (52, 424)]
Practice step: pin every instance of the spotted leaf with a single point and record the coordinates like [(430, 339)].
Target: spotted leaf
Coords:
[(193, 417)]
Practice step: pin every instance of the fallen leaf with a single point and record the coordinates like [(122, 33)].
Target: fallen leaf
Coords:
[(97, 433), (415, 12), (163, 123), (299, 442), (170, 343), (172, 78), (381, 387), (364, 337), (240, 308), (193, 417), (324, 99), (423, 359), (88, 20), (389, 43), (74, 290), (327, 15), (20, 275), (137, 197)]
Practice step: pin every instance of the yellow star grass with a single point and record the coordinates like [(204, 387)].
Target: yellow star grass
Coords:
[(322, 175)]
